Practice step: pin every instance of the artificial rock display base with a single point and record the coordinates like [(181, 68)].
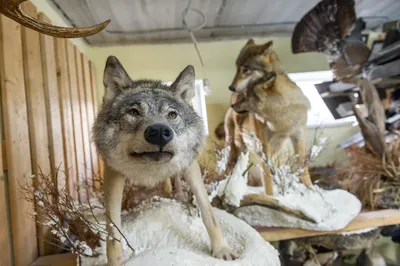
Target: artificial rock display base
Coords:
[(332, 210), (163, 232)]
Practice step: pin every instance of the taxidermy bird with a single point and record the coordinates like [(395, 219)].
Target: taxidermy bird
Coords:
[(331, 27)]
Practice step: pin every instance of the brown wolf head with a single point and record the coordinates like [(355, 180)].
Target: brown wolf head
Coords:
[(147, 130), (247, 101), (252, 64)]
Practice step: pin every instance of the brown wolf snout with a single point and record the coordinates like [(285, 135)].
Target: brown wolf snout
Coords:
[(158, 134), (240, 108)]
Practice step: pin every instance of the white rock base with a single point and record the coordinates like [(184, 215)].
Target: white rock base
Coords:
[(333, 210), (163, 233)]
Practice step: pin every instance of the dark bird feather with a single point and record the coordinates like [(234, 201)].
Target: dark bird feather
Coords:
[(331, 27)]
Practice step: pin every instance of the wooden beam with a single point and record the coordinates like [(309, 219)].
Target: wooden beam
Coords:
[(5, 236), (76, 118), (66, 116), (15, 120), (95, 107), (66, 259), (83, 119), (35, 97), (90, 114), (363, 221), (54, 121)]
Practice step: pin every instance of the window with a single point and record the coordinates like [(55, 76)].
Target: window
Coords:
[(319, 114)]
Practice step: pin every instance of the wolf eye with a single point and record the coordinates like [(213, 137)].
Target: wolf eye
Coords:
[(134, 112), (245, 69), (172, 115)]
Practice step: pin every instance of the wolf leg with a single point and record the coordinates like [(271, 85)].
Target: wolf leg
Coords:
[(275, 144), (299, 146), (229, 125), (219, 248), (113, 189)]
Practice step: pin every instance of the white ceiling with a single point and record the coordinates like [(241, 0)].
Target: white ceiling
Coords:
[(160, 21)]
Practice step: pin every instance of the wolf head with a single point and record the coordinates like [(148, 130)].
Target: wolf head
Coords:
[(252, 63), (247, 101), (146, 130)]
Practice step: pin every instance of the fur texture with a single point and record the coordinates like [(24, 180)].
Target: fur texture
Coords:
[(129, 108), (271, 94), (147, 131)]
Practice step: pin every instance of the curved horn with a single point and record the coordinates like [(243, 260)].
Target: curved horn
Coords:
[(12, 10)]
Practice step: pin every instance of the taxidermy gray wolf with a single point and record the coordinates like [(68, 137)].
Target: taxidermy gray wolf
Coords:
[(266, 90), (147, 131)]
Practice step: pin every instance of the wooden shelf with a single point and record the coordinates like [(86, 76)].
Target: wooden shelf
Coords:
[(363, 221), (67, 259)]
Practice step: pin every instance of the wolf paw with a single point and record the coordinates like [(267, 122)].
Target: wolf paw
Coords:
[(224, 253)]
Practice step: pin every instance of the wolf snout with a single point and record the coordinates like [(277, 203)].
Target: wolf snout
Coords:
[(232, 88), (159, 134)]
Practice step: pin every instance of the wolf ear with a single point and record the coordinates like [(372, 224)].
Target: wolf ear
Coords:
[(265, 48), (115, 78), (250, 42), (183, 86)]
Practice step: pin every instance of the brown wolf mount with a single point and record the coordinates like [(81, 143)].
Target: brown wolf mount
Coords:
[(261, 87)]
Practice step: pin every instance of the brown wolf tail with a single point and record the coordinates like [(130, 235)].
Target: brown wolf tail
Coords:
[(329, 22)]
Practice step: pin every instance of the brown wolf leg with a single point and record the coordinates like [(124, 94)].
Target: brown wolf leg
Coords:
[(113, 189), (219, 248), (229, 126), (267, 181), (299, 146)]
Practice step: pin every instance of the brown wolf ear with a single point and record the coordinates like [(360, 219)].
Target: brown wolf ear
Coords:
[(265, 48), (250, 42), (183, 86), (115, 78)]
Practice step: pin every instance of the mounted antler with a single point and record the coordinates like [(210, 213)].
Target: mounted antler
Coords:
[(12, 9)]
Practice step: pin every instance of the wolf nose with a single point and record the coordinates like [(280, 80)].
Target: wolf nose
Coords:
[(158, 134), (231, 88)]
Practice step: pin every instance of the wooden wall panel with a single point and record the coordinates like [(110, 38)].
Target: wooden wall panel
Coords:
[(95, 109), (34, 87), (83, 116), (54, 120), (5, 236), (17, 145), (90, 115), (76, 114), (66, 115)]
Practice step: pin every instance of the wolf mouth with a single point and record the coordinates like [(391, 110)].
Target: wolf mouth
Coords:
[(153, 156)]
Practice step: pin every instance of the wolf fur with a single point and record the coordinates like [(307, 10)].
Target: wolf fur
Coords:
[(129, 109), (271, 94), (251, 65)]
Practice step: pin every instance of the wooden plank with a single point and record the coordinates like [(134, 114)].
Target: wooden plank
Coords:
[(362, 221), (95, 108), (84, 118), (54, 121), (16, 132), (35, 98), (90, 115), (4, 159), (66, 259), (66, 115), (5, 236), (76, 114)]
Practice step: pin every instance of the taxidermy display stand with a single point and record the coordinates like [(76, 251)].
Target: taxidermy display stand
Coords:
[(293, 204)]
